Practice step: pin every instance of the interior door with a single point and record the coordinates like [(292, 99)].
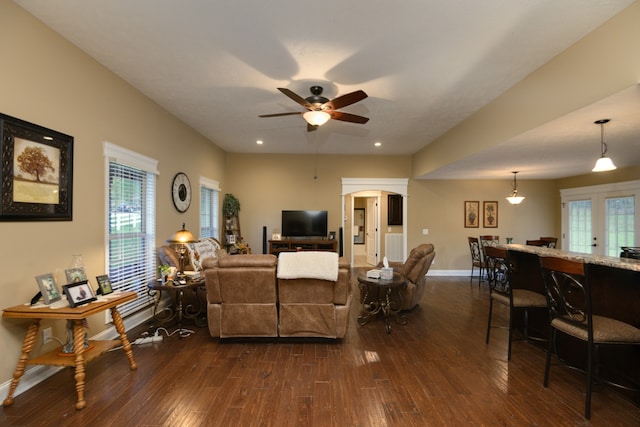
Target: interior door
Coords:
[(371, 225)]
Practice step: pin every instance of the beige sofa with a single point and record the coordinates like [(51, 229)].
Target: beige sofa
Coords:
[(246, 298)]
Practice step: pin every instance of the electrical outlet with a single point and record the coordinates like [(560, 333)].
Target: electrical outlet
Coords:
[(47, 335), (425, 231)]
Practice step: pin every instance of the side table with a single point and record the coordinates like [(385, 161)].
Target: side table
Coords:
[(80, 355), (178, 309), (381, 295)]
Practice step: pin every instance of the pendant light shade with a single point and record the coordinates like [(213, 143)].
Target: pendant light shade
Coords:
[(514, 199), (604, 163)]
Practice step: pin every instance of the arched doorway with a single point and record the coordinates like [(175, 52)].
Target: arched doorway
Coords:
[(370, 188)]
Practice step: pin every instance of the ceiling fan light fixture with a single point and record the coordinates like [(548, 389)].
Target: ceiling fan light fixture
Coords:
[(514, 199), (316, 118), (604, 163)]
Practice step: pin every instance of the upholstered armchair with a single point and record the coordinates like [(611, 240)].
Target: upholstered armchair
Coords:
[(415, 268)]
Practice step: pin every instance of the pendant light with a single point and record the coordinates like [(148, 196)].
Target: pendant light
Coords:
[(514, 199), (604, 163)]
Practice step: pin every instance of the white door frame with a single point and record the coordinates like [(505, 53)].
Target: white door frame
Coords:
[(391, 185)]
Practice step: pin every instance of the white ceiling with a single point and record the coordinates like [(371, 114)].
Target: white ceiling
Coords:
[(425, 64)]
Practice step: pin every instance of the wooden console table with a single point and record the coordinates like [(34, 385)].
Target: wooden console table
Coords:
[(293, 245), (80, 355)]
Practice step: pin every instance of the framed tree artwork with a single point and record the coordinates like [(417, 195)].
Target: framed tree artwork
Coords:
[(471, 214), (490, 214), (36, 172)]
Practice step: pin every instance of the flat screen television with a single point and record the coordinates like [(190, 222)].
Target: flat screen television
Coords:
[(304, 223)]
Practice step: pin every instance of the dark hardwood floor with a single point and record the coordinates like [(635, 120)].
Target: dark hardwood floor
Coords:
[(434, 371)]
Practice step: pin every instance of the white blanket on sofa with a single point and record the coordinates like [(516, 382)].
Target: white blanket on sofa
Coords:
[(308, 265)]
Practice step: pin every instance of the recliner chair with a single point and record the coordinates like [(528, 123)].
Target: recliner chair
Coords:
[(415, 268)]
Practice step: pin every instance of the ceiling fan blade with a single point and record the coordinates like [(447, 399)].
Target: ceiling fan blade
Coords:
[(281, 114), (346, 117), (347, 99), (300, 100)]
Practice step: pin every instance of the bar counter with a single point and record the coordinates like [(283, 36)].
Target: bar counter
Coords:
[(615, 290)]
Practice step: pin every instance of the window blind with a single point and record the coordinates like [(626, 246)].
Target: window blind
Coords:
[(131, 257), (209, 195)]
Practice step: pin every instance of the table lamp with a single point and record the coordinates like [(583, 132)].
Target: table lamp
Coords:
[(181, 238)]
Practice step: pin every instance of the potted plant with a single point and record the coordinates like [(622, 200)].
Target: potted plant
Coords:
[(230, 205)]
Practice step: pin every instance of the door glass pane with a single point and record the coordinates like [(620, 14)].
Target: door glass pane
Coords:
[(580, 226), (619, 223)]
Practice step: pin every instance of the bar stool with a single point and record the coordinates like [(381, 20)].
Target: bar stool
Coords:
[(570, 311), (499, 275)]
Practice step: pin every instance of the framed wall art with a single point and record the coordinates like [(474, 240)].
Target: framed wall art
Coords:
[(490, 214), (79, 293), (471, 214), (48, 288), (36, 172)]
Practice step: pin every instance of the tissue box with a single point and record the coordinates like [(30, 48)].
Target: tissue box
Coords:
[(386, 273)]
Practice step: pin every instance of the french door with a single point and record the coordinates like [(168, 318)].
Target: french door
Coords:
[(600, 219)]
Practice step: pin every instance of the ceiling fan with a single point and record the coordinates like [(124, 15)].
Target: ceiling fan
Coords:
[(321, 109)]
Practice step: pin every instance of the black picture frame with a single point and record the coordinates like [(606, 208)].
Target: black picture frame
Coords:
[(42, 187), (79, 293), (48, 288), (104, 284)]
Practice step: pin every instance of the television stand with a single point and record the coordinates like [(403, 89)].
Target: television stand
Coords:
[(294, 245)]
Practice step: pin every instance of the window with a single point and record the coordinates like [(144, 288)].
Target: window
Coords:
[(131, 255), (209, 193), (601, 219)]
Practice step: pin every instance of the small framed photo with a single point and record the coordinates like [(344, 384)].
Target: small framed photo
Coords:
[(490, 217), (79, 293), (48, 288), (104, 284), (471, 214), (75, 275)]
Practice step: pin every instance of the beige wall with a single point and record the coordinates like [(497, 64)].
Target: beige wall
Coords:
[(47, 81)]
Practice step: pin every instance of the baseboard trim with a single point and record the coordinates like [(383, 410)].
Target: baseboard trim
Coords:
[(449, 273), (37, 373)]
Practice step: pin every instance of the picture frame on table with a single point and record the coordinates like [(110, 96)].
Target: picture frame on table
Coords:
[(75, 275), (471, 214), (36, 173), (104, 284), (490, 214), (48, 288), (79, 293)]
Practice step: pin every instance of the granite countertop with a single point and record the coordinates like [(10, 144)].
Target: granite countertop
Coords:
[(608, 261)]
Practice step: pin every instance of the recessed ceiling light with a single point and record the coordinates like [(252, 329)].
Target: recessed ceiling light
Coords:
[(259, 142), (378, 144)]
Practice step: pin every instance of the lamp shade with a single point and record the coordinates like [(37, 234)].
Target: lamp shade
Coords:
[(603, 164), (316, 118), (515, 199), (182, 236)]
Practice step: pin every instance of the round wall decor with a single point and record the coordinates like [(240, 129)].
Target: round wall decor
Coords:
[(181, 192)]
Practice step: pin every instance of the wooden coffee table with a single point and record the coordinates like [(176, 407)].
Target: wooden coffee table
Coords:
[(382, 295)]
